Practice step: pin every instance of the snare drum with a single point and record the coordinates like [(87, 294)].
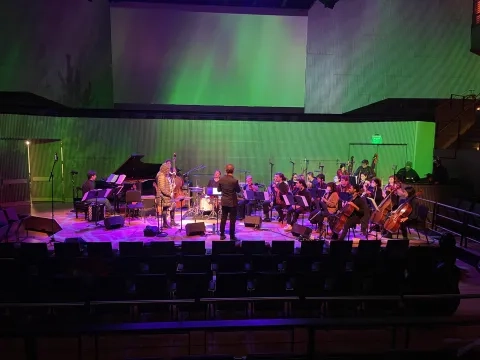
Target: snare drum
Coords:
[(205, 204)]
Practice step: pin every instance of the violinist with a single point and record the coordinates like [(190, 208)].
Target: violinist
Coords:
[(344, 185), (245, 207), (294, 211), (375, 191), (359, 208), (394, 187), (328, 205), (293, 180), (279, 188)]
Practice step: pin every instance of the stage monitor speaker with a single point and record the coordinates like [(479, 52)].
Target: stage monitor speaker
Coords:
[(114, 222), (253, 221), (41, 224), (195, 229), (301, 231)]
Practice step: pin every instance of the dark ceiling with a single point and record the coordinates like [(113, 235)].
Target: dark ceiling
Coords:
[(276, 4)]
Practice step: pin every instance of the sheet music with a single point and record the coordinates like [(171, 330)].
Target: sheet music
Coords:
[(289, 200), (301, 200), (120, 179), (112, 178)]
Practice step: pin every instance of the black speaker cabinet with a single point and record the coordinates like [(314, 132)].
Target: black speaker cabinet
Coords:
[(301, 231), (253, 221), (114, 222), (195, 229), (43, 225)]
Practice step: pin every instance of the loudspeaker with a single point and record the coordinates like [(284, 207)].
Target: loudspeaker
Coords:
[(195, 229), (301, 231), (43, 225), (253, 221), (114, 222), (150, 231)]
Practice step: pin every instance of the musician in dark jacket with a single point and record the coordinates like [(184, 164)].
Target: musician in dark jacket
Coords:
[(229, 188), (278, 188), (89, 185), (294, 211), (413, 217), (359, 208)]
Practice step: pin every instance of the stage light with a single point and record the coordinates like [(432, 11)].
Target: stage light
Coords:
[(27, 142), (329, 3)]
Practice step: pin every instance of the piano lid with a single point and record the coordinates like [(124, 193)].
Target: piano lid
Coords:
[(136, 170)]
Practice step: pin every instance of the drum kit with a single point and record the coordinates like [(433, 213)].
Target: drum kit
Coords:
[(203, 205)]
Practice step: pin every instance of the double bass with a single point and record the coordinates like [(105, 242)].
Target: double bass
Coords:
[(337, 222), (177, 183), (392, 224)]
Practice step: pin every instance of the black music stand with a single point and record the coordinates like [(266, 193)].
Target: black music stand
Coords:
[(96, 194), (160, 232)]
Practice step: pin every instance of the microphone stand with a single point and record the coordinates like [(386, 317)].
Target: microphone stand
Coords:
[(271, 181), (50, 179), (306, 167), (293, 167)]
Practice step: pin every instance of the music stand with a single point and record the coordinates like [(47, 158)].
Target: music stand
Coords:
[(96, 194), (213, 191)]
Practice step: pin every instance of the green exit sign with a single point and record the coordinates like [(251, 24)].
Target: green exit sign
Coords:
[(377, 139)]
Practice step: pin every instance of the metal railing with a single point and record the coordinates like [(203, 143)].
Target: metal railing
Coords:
[(461, 223)]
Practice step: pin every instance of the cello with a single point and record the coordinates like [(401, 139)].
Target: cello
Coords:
[(392, 224), (381, 211), (337, 222), (177, 183)]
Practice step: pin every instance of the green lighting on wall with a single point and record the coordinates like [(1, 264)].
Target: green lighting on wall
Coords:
[(377, 139)]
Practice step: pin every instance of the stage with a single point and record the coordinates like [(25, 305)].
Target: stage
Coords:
[(133, 231)]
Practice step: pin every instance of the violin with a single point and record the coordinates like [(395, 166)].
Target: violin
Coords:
[(392, 224), (337, 222)]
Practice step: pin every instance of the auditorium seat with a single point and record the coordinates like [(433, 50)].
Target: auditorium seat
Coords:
[(253, 247), (193, 247), (151, 286), (268, 283), (192, 285), (228, 262), (162, 264), (223, 247), (99, 249), (265, 262), (312, 248), (160, 248), (283, 248), (230, 284), (131, 248), (194, 264)]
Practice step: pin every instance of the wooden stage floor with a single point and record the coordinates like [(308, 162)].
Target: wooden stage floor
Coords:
[(74, 228)]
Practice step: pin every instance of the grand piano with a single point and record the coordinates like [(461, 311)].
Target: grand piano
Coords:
[(137, 173)]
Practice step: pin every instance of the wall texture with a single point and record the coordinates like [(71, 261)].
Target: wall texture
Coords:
[(103, 144), (57, 49), (364, 51)]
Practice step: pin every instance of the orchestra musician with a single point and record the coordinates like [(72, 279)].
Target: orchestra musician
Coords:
[(375, 192), (279, 188), (412, 218), (229, 188), (89, 185), (293, 180), (342, 170), (294, 211), (245, 207), (165, 187), (310, 180), (407, 173), (363, 180), (359, 208), (344, 185), (328, 205), (364, 168), (319, 182)]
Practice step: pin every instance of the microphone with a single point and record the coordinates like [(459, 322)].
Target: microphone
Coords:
[(55, 157), (291, 162)]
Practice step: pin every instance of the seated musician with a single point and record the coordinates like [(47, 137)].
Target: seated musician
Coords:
[(342, 170), (320, 182), (213, 182), (412, 218), (364, 168), (164, 197), (328, 205), (245, 207), (294, 211), (359, 209), (407, 173), (279, 187), (375, 191), (89, 185), (345, 185), (362, 180), (293, 180)]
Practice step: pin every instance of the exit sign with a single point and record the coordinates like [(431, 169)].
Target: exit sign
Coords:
[(377, 139)]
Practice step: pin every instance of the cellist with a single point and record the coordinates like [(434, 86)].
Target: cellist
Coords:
[(359, 207), (412, 217)]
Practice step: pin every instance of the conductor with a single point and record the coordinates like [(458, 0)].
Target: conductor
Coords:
[(229, 188)]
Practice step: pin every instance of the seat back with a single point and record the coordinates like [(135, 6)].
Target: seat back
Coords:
[(132, 196)]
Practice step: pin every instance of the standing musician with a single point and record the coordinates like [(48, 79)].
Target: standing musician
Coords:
[(245, 207), (279, 188), (328, 205), (229, 188), (345, 185), (359, 208), (294, 211), (165, 187), (365, 169)]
